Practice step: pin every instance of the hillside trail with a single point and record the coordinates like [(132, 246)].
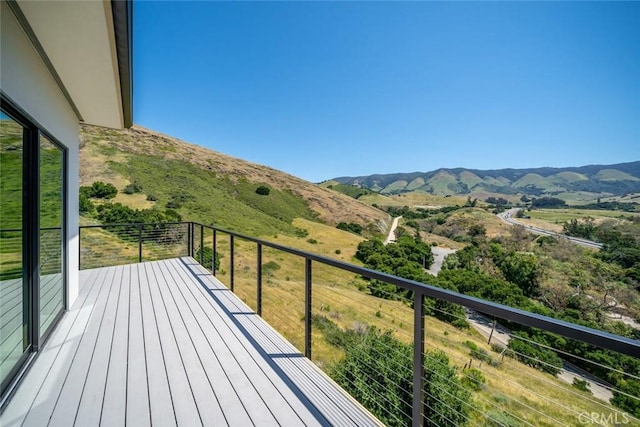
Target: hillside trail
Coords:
[(391, 237)]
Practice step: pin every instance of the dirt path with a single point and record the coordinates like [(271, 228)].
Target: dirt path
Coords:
[(391, 237)]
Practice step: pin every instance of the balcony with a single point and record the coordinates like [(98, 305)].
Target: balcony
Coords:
[(170, 328), (165, 343)]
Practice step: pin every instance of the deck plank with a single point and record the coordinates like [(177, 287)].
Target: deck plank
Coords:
[(184, 405), (205, 399), (331, 401), (115, 392), (160, 402), (231, 407), (16, 412), (79, 365), (276, 391), (95, 380), (138, 412), (164, 343)]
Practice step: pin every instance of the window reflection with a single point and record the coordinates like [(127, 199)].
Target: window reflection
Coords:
[(13, 339), (51, 232)]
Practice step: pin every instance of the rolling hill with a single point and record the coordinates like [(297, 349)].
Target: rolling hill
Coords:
[(590, 182), (210, 187)]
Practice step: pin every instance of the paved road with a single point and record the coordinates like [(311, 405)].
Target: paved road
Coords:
[(392, 232), (508, 217), (439, 254)]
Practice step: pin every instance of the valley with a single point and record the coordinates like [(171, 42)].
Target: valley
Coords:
[(164, 174)]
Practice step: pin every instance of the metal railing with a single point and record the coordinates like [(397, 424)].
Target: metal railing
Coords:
[(409, 315)]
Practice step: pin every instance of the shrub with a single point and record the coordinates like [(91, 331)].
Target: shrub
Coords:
[(338, 251), (581, 384), (501, 419), (269, 267), (152, 197), (263, 190), (312, 241), (99, 190), (473, 379), (301, 232), (86, 206), (351, 227), (132, 188)]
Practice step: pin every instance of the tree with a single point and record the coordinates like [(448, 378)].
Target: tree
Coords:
[(523, 269)]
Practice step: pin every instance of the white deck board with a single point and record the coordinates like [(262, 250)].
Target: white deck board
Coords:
[(165, 343), (160, 401), (137, 388)]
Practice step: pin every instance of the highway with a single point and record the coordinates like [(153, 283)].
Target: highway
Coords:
[(508, 217)]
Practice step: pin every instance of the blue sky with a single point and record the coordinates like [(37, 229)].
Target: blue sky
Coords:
[(327, 89)]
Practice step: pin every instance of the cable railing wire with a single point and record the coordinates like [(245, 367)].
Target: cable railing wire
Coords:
[(126, 243)]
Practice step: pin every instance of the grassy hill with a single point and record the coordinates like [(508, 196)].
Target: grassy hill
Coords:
[(590, 182), (211, 187)]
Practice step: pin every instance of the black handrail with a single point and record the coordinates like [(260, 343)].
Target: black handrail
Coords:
[(588, 335), (585, 334)]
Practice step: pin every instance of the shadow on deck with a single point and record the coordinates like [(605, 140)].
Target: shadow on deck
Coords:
[(165, 343)]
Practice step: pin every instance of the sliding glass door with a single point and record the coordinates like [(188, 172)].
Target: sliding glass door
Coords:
[(13, 312), (32, 239)]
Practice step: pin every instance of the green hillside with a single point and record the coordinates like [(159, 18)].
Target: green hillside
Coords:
[(209, 187)]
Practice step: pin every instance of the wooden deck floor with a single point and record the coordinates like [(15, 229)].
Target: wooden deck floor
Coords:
[(165, 343)]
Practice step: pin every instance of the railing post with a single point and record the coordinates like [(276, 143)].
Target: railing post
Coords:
[(231, 262), (79, 248), (213, 253), (201, 243), (307, 308), (191, 239), (188, 239), (139, 242), (259, 280), (418, 360)]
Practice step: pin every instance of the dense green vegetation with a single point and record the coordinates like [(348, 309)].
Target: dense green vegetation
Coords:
[(522, 289), (377, 371), (408, 257), (207, 197), (538, 274), (351, 227), (263, 190), (99, 190), (547, 202)]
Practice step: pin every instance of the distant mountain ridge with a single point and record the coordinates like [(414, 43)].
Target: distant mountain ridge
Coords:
[(597, 180)]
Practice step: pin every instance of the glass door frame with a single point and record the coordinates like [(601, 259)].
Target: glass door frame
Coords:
[(33, 339)]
